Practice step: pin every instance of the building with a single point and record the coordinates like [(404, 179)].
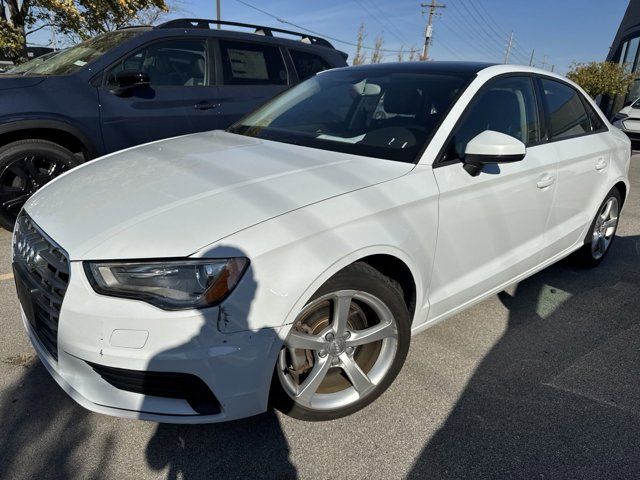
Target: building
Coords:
[(625, 50), (32, 52)]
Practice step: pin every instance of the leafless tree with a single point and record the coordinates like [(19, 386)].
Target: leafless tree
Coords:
[(376, 55), (360, 57)]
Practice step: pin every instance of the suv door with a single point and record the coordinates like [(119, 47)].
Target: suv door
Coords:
[(252, 73), (492, 227), (179, 69), (583, 151)]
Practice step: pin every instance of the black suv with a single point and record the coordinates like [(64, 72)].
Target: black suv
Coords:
[(140, 84)]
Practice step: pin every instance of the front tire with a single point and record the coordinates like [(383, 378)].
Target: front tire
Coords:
[(345, 348), (25, 166), (602, 232)]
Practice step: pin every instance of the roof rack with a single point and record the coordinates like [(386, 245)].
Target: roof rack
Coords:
[(258, 29)]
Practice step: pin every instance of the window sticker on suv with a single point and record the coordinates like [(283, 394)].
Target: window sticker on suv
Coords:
[(247, 64)]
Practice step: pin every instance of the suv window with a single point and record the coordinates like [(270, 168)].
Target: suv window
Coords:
[(252, 64), (566, 111), (73, 59), (178, 62), (507, 105), (307, 64)]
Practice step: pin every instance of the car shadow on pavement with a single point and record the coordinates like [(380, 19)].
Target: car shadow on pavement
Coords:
[(250, 448), (254, 447), (558, 395), (43, 432)]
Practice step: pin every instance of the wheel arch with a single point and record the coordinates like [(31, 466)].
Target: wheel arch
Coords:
[(55, 131), (390, 261), (622, 188)]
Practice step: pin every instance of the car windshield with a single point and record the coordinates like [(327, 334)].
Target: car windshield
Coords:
[(31, 64), (375, 113), (73, 59)]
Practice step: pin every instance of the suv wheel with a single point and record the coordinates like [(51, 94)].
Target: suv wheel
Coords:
[(345, 348), (25, 166)]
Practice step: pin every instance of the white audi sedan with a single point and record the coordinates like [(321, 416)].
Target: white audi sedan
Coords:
[(288, 260)]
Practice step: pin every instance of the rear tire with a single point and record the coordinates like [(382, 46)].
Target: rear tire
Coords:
[(601, 233), (26, 166), (360, 359)]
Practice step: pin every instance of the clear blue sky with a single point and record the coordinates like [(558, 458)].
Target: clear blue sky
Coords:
[(561, 31)]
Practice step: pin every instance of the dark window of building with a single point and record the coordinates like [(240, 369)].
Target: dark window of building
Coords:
[(252, 64), (307, 64), (568, 116)]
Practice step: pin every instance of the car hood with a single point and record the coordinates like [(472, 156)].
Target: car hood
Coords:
[(8, 81), (633, 112), (173, 197)]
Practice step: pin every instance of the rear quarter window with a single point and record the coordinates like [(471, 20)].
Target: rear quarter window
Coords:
[(307, 64)]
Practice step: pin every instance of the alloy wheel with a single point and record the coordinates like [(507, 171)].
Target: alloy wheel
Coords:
[(341, 346), (604, 228), (22, 176)]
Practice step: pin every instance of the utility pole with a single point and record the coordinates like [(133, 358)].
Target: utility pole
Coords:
[(531, 59), (506, 54), (218, 12), (428, 31)]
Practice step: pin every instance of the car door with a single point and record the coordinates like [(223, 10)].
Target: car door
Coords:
[(252, 73), (181, 88), (491, 227), (583, 149)]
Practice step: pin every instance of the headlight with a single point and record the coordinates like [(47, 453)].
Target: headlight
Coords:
[(171, 284)]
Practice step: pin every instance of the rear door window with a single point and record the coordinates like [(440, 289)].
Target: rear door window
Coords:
[(567, 115), (246, 63), (307, 64)]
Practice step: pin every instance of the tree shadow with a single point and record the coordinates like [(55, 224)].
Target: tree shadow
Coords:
[(558, 394), (43, 431)]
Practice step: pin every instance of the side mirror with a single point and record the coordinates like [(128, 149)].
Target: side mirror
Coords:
[(491, 147), (127, 80)]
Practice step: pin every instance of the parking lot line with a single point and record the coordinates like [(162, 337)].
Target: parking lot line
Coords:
[(6, 276)]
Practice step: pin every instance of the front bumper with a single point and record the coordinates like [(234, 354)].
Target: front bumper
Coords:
[(126, 334), (630, 126)]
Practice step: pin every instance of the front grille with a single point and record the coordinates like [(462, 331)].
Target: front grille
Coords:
[(184, 386), (41, 270)]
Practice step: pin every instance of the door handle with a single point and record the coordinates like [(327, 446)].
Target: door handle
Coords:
[(206, 106), (601, 164), (546, 181)]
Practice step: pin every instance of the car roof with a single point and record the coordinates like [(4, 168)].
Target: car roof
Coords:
[(425, 67)]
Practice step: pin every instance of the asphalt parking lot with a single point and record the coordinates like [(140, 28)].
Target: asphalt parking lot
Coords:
[(541, 381)]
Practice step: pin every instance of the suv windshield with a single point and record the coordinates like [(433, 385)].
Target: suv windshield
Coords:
[(375, 113), (73, 59)]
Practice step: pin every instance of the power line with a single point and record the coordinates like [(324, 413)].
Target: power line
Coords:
[(471, 29), (499, 31), (470, 43), (391, 22), (282, 20), (474, 39), (382, 20)]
